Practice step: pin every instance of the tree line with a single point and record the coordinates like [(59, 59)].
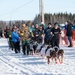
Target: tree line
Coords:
[(56, 17), (10, 24)]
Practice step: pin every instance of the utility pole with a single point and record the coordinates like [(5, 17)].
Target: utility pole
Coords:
[(10, 20), (41, 10), (40, 19)]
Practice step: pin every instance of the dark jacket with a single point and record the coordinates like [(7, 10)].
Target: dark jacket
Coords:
[(0, 32), (36, 32), (47, 32), (6, 33), (69, 30), (56, 32)]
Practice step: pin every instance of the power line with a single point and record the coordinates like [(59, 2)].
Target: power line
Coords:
[(17, 8), (22, 5)]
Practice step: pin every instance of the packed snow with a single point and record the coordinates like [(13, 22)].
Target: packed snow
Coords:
[(19, 64)]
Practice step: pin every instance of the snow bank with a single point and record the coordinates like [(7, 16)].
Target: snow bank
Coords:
[(3, 42), (19, 64)]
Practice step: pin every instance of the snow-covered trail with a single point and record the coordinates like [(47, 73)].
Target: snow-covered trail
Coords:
[(19, 64)]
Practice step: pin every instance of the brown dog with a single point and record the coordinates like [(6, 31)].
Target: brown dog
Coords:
[(60, 55), (56, 55), (51, 54)]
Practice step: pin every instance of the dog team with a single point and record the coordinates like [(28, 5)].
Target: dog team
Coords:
[(55, 54)]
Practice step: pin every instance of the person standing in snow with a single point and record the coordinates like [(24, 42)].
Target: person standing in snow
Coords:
[(24, 33), (69, 32), (16, 40), (48, 36), (41, 35), (36, 33), (0, 32), (56, 35)]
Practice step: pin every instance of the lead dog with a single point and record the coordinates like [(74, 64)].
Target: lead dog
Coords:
[(50, 54), (55, 54), (59, 54)]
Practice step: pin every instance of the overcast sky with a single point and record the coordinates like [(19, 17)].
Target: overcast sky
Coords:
[(28, 9)]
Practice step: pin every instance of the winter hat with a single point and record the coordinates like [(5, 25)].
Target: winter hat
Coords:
[(49, 24), (56, 23)]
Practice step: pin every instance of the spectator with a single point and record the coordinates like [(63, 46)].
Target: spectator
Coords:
[(36, 33), (24, 33), (16, 40), (48, 35), (41, 35), (74, 25), (0, 32), (69, 32), (6, 32), (56, 32)]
